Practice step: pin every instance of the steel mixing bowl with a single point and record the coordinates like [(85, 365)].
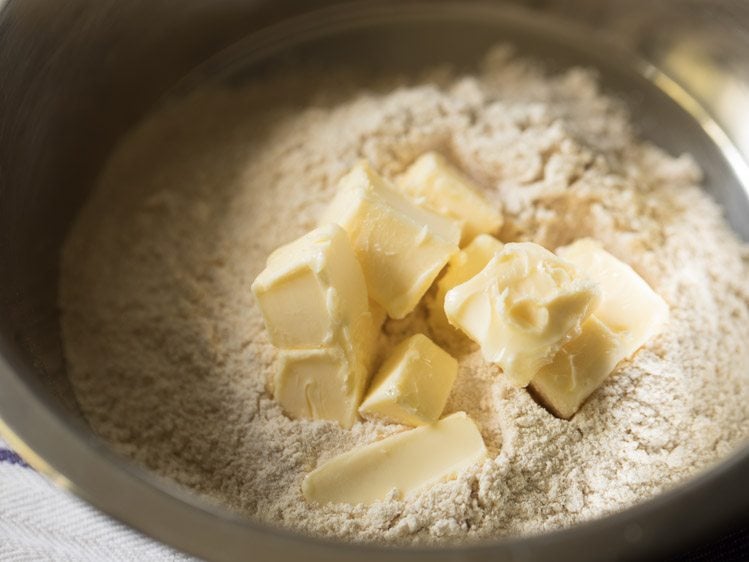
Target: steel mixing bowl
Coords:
[(76, 75)]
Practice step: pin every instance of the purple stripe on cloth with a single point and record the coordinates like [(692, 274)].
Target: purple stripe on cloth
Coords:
[(9, 457)]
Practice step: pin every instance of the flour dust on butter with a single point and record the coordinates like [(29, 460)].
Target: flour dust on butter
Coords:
[(170, 359)]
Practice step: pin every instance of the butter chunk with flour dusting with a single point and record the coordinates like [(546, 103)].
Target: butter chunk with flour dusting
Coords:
[(461, 267), (629, 307), (522, 308), (578, 369), (314, 301), (628, 315), (412, 385), (312, 292), (401, 247), (322, 384), (434, 183)]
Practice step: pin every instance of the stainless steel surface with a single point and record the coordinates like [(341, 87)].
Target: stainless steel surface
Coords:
[(77, 74)]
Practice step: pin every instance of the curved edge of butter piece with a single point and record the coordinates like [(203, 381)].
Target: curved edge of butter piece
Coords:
[(405, 462), (436, 184), (629, 306), (400, 246), (629, 313), (461, 267), (310, 289), (578, 369), (319, 384), (522, 308)]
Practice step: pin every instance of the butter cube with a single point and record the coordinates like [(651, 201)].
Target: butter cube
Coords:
[(327, 383), (313, 298), (407, 462), (412, 385), (578, 368), (522, 308), (312, 293), (319, 384), (628, 307), (435, 184), (400, 246), (629, 313), (461, 267)]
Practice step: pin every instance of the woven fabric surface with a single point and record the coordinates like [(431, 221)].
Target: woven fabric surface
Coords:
[(39, 522)]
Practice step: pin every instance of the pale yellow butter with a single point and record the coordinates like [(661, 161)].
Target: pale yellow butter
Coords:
[(312, 293), (378, 316), (400, 246), (412, 385), (319, 384), (461, 267), (405, 462), (434, 183), (578, 368), (629, 307), (327, 383), (522, 308), (313, 298), (628, 314)]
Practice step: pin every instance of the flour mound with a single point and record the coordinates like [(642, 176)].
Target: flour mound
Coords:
[(169, 358)]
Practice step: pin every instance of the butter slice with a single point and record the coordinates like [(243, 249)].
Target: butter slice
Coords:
[(461, 267), (522, 308), (628, 307), (434, 183), (406, 462), (312, 293), (400, 246), (579, 368), (412, 385), (319, 384)]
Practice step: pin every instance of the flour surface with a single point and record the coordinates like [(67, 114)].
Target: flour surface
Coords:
[(169, 358)]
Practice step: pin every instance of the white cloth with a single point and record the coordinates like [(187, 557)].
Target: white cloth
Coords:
[(39, 522)]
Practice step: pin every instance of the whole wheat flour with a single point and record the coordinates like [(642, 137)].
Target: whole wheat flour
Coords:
[(169, 358)]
